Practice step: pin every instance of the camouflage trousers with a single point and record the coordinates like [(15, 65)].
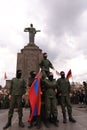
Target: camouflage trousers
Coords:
[(65, 102), (15, 100)]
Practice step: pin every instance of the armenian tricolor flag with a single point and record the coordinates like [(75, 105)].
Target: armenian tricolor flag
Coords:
[(34, 96)]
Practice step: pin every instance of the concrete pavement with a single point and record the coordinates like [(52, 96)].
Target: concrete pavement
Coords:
[(80, 114)]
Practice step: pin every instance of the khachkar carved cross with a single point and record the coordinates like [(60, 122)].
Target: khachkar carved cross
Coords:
[(32, 31)]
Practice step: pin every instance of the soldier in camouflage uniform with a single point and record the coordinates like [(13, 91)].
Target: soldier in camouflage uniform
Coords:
[(45, 66), (17, 91), (50, 99), (65, 89), (36, 121)]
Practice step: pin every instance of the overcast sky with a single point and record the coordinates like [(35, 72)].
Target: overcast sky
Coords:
[(63, 25)]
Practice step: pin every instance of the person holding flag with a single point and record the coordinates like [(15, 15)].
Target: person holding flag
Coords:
[(64, 89), (34, 99), (45, 66), (30, 81)]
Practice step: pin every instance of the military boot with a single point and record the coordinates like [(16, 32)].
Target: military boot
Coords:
[(21, 124), (38, 125), (64, 118), (30, 125), (47, 123), (55, 122), (71, 119), (38, 122), (8, 124)]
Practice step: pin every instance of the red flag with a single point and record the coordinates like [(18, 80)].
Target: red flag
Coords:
[(34, 96), (69, 74), (5, 76)]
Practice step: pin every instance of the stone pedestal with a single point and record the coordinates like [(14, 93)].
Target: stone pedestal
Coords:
[(28, 59)]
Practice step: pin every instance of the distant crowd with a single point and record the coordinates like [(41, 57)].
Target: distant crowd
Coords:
[(78, 97), (4, 99)]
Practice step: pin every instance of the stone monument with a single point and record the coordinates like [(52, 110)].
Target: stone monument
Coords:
[(30, 56)]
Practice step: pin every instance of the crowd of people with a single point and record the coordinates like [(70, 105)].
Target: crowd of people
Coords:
[(4, 100), (79, 96), (53, 92)]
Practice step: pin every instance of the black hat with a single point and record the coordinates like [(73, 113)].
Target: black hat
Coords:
[(84, 82), (62, 72), (31, 72), (44, 53), (19, 71)]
